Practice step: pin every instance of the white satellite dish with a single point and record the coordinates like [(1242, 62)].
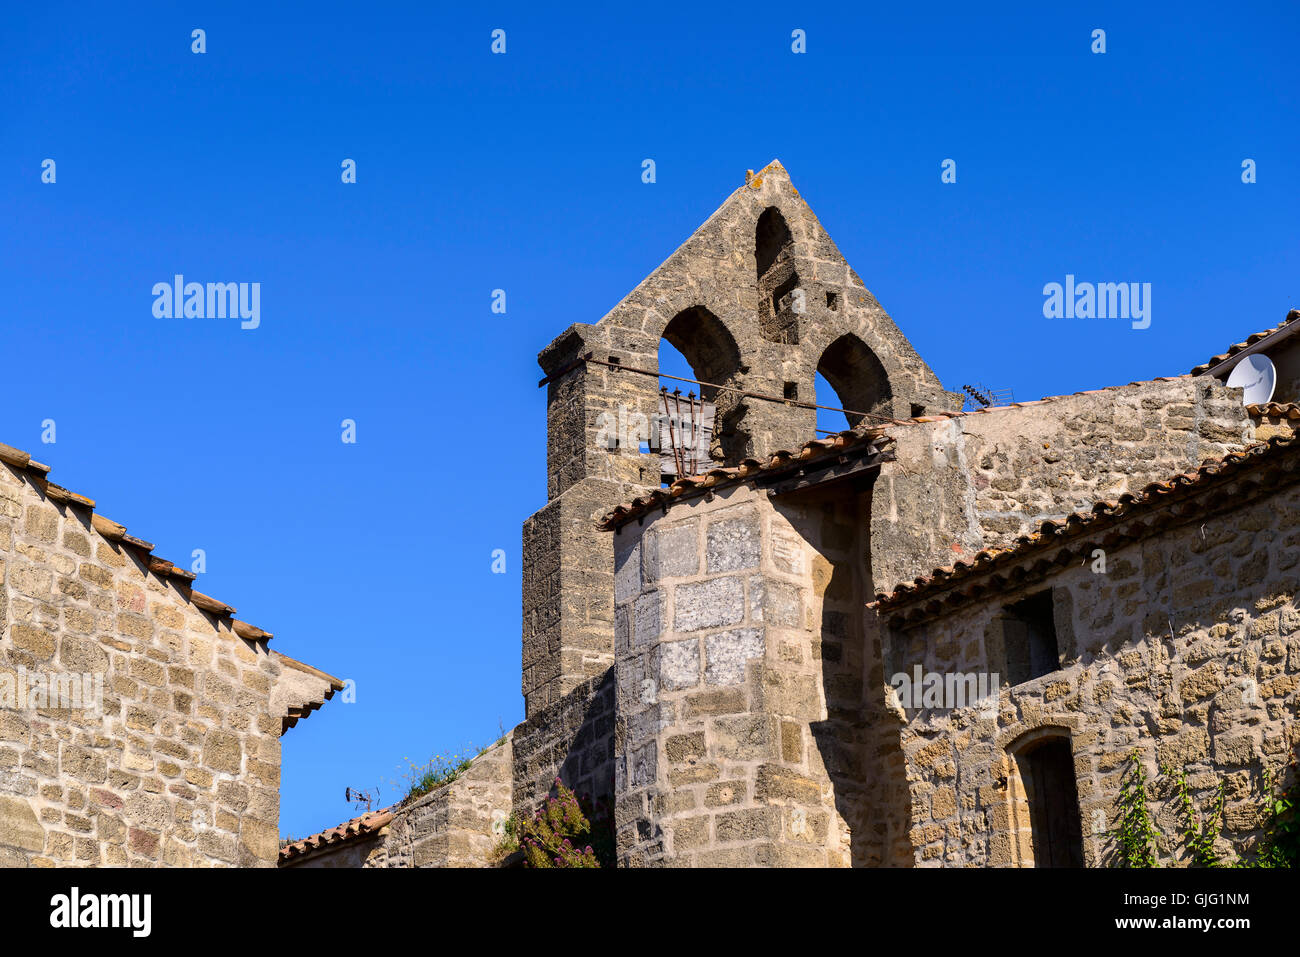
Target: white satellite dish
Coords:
[(1255, 375)]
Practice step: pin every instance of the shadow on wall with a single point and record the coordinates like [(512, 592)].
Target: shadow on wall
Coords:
[(858, 742), (572, 739)]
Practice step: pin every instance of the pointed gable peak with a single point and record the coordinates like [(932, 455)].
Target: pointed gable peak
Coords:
[(773, 170)]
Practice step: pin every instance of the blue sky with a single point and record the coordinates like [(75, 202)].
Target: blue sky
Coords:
[(523, 172)]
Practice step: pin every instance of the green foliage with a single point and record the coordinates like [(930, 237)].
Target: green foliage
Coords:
[(438, 770), (567, 831), (420, 779), (1280, 845), (1135, 835), (1200, 829)]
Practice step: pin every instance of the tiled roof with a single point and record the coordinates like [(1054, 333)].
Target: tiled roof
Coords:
[(359, 828), (867, 442), (1233, 350), (1107, 524), (115, 532), (1275, 410)]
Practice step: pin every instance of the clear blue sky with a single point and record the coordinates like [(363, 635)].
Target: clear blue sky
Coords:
[(523, 172)]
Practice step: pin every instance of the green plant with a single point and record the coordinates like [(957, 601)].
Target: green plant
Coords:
[(1280, 844), (440, 769), (567, 831), (1200, 830), (1135, 835)]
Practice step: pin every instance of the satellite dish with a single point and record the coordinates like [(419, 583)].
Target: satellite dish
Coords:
[(1256, 376)]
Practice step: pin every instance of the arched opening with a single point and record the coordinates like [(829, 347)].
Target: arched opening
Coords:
[(781, 298), (857, 380), (828, 422), (1044, 795), (696, 345), (771, 238)]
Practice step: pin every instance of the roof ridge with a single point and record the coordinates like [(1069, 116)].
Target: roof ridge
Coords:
[(1252, 339)]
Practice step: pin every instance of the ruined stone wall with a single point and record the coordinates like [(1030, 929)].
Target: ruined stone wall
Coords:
[(180, 764), (740, 665), (456, 825), (1186, 648), (966, 483)]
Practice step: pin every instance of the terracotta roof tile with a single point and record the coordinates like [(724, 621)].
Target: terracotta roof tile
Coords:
[(1233, 350), (359, 828), (1059, 536), (1274, 410)]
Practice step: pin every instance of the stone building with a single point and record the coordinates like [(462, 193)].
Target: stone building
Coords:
[(729, 658), (140, 721)]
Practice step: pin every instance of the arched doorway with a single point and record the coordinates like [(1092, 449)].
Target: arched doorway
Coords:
[(1044, 795)]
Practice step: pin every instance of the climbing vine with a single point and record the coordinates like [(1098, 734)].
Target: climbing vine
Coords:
[(1135, 835), (1199, 829)]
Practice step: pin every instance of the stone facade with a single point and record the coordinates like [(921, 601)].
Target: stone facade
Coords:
[(968, 482), (1186, 648), (171, 756), (740, 683), (757, 724)]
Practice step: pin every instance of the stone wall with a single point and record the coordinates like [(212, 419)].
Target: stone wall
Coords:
[(180, 763), (573, 740), (740, 665), (568, 587), (965, 483), (1186, 648), (457, 825)]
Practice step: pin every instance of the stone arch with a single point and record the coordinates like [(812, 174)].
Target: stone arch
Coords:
[(709, 347), (859, 378), (780, 292), (771, 238), (1042, 815)]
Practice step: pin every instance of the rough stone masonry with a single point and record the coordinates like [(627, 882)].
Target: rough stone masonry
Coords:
[(717, 657), (174, 757)]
